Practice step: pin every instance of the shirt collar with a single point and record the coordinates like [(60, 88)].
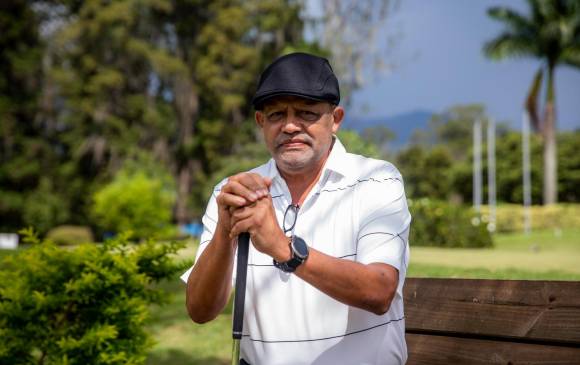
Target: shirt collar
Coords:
[(336, 162)]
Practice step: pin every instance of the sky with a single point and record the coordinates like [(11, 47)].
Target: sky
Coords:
[(439, 63)]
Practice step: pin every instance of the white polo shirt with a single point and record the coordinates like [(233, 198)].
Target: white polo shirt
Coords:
[(357, 211)]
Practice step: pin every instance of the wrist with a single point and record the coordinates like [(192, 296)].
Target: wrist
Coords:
[(222, 238), (299, 254), (284, 251)]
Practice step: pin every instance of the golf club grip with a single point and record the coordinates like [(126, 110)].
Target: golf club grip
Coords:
[(240, 294)]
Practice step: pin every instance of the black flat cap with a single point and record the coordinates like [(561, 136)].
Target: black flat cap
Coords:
[(298, 74)]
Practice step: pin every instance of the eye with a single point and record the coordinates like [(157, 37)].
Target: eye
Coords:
[(309, 116), (275, 116)]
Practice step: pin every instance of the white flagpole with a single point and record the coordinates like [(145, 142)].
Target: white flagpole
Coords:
[(491, 187), (527, 179), (477, 179)]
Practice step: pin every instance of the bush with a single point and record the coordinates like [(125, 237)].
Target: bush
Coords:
[(86, 305), (441, 224), (510, 217), (135, 202), (70, 235)]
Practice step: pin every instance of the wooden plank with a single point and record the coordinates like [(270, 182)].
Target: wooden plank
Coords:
[(434, 350), (529, 310)]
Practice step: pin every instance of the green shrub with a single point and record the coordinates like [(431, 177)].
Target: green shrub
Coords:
[(70, 235), (86, 305), (438, 223), (510, 217), (137, 202)]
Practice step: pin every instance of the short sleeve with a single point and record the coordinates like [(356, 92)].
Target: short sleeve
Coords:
[(384, 221), (209, 222)]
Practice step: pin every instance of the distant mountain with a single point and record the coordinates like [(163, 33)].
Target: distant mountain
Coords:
[(402, 125)]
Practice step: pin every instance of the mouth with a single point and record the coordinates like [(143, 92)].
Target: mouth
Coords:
[(293, 143)]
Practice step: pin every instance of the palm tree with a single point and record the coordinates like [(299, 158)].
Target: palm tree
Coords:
[(550, 33)]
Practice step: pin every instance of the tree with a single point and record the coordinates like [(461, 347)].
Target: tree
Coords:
[(353, 143), (21, 142), (454, 127), (508, 170), (349, 30), (550, 33), (87, 84), (426, 171)]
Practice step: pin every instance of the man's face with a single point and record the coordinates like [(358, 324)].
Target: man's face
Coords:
[(298, 132)]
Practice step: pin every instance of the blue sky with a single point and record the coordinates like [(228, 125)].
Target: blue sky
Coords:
[(441, 64)]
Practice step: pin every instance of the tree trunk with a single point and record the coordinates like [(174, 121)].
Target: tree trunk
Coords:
[(550, 163), (550, 190), (186, 103)]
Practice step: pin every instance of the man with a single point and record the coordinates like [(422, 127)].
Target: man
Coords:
[(328, 229)]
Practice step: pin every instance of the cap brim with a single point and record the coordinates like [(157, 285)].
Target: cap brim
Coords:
[(260, 100)]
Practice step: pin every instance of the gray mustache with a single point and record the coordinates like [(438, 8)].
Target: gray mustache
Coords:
[(302, 138)]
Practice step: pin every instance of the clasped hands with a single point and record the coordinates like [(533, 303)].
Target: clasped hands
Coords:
[(245, 205)]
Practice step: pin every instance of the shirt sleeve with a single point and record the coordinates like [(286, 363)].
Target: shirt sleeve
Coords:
[(209, 222), (384, 221)]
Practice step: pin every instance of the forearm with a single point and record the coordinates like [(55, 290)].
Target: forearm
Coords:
[(370, 287), (210, 283)]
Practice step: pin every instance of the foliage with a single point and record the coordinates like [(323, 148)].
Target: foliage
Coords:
[(86, 305), (509, 169), (355, 144), (67, 235), (511, 217), (440, 163), (550, 31), (438, 223), (134, 201), (568, 167), (426, 171), (44, 208), (84, 85), (20, 65)]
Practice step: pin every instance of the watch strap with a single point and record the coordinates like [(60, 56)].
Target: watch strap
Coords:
[(292, 264)]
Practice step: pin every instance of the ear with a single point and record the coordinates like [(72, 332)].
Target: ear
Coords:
[(259, 116), (338, 116)]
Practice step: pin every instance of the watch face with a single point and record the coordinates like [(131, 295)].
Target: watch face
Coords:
[(300, 247)]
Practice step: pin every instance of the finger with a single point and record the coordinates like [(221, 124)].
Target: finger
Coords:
[(253, 182), (236, 188), (240, 227), (261, 185), (241, 214), (231, 200)]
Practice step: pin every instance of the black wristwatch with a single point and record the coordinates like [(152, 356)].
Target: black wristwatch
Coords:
[(299, 255)]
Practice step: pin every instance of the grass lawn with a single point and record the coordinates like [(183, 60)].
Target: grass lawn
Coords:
[(544, 255), (180, 341)]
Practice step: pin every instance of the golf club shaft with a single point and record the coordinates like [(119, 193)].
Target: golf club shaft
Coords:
[(240, 294), (236, 353)]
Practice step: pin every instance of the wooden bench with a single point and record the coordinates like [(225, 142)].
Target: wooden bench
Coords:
[(461, 321)]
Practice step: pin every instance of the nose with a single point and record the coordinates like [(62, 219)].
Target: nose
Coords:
[(292, 124)]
